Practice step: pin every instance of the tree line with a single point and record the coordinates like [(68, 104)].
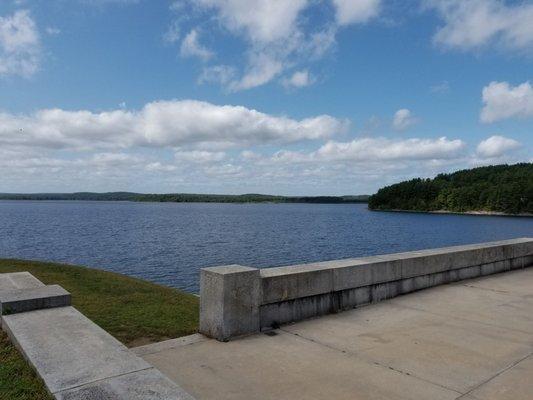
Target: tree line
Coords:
[(498, 188), (185, 197)]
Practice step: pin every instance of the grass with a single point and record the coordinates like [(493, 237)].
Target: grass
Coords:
[(134, 311)]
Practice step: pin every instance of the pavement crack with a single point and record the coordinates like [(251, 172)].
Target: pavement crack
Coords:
[(495, 375), (492, 290)]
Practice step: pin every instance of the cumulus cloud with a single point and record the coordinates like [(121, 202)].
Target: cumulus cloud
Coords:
[(403, 119), (20, 45), (221, 74), (356, 11), (502, 101), (161, 124), (298, 79), (262, 21), (276, 34), (160, 167), (261, 69), (496, 146), (191, 47), (374, 150), (387, 149), (472, 24), (200, 156)]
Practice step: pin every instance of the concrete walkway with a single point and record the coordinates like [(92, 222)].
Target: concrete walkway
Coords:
[(468, 340)]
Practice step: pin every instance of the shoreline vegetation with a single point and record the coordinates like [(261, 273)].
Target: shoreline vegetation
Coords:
[(134, 311), (185, 198), (504, 190)]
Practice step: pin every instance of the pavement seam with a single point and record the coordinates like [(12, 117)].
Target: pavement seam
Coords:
[(494, 290), (495, 376), (370, 361), (142, 351), (103, 379)]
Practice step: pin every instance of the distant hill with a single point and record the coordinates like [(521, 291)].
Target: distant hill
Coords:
[(499, 188), (185, 197)]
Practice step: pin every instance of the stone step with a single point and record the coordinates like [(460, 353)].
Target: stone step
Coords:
[(35, 298), (79, 360)]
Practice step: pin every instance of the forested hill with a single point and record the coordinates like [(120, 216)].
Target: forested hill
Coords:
[(185, 197), (498, 188)]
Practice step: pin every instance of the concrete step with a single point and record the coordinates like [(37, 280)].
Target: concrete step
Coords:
[(78, 360), (36, 298)]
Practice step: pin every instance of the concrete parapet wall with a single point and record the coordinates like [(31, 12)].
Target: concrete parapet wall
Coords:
[(238, 300)]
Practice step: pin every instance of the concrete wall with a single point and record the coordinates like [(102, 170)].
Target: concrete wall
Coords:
[(237, 300)]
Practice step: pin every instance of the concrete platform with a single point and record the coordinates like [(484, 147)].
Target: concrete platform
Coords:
[(471, 340)]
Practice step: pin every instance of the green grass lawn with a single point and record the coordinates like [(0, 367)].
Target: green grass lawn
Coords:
[(134, 311)]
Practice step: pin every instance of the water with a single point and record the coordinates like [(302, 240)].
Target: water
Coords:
[(168, 243)]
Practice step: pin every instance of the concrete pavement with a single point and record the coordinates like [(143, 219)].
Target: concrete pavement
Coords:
[(471, 340)]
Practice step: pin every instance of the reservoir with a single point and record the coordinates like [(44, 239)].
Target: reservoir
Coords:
[(168, 243)]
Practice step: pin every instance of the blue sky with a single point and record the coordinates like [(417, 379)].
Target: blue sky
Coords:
[(299, 97)]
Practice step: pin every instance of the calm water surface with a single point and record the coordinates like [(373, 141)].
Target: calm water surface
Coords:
[(169, 242)]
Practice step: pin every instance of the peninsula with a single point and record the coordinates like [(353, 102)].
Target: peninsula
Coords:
[(493, 190)]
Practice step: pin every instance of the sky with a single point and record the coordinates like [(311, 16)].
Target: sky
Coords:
[(290, 97)]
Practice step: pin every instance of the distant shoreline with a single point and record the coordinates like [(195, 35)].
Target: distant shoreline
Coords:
[(473, 213), (183, 198)]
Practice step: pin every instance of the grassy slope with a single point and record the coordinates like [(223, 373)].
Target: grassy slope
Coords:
[(134, 311)]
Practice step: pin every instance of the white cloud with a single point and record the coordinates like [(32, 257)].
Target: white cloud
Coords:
[(387, 149), (262, 21), (191, 47), (20, 47), (52, 31), (356, 11), (221, 74), (199, 156), (172, 35), (472, 24), (298, 79), (373, 150), (502, 101), (277, 34), (262, 68), (496, 146), (403, 119), (159, 167), (161, 124)]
